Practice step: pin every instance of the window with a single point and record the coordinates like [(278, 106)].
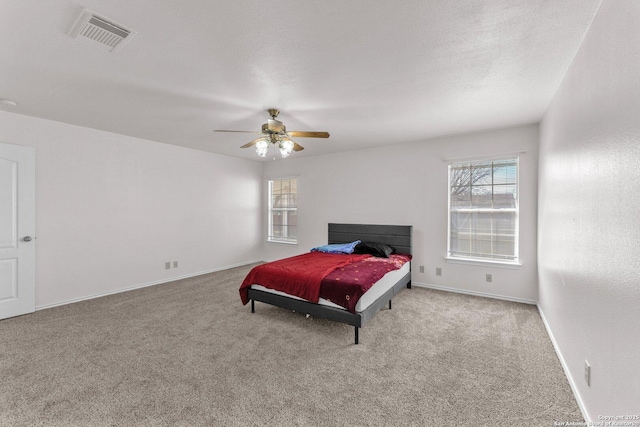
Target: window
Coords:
[(283, 210), (483, 210)]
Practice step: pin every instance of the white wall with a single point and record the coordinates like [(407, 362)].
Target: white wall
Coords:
[(589, 214), (407, 184), (111, 209)]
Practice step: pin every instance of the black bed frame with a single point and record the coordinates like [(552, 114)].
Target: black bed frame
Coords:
[(398, 236)]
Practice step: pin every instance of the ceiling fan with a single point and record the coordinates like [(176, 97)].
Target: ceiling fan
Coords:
[(274, 132)]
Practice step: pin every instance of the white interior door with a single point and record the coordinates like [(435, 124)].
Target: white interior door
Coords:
[(17, 230)]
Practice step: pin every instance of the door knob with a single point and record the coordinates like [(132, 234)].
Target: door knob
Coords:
[(27, 238)]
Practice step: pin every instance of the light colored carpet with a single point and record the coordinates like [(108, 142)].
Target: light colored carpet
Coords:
[(188, 353)]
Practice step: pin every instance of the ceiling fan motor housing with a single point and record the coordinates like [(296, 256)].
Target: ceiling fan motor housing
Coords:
[(274, 126)]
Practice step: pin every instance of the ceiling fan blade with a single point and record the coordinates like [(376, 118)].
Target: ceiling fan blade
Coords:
[(303, 134), (252, 143), (241, 131)]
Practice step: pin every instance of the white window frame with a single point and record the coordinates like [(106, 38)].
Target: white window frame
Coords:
[(479, 259), (270, 234)]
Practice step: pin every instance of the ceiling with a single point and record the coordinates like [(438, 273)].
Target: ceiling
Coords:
[(370, 73)]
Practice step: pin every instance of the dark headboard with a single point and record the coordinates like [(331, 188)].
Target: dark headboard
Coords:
[(398, 236)]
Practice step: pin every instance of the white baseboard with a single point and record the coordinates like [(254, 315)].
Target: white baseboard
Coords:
[(143, 285), (474, 293), (572, 383)]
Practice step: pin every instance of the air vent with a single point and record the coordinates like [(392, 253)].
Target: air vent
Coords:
[(99, 31)]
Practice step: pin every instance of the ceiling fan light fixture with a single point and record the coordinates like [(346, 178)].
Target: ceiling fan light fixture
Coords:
[(285, 147), (262, 147)]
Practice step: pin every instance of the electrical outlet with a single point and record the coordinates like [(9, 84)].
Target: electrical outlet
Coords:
[(438, 271), (489, 278), (422, 269), (175, 264), (167, 265), (587, 373)]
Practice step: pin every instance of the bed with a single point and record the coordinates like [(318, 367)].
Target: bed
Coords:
[(397, 236)]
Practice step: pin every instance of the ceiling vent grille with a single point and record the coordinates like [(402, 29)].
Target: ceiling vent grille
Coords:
[(99, 31)]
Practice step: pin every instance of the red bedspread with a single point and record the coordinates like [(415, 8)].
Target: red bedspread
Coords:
[(299, 275), (345, 285), (341, 279)]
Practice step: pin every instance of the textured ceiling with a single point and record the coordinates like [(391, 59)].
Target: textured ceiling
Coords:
[(369, 72)]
